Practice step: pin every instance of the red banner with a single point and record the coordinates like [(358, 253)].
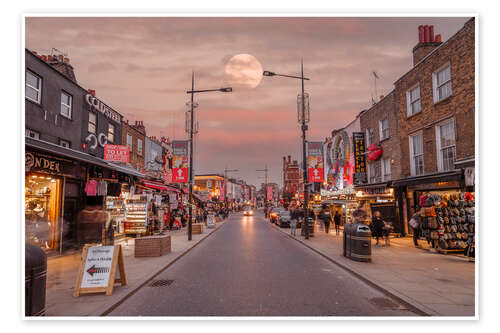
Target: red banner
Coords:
[(269, 193), (180, 162), (315, 162), (116, 153)]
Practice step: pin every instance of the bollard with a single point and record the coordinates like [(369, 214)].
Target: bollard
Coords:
[(35, 280)]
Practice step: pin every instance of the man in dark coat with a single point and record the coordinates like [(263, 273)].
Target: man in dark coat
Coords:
[(336, 219), (377, 226)]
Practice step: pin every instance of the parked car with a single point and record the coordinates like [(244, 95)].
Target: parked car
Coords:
[(284, 218)]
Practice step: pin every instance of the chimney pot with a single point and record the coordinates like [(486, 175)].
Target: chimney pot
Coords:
[(438, 38), (61, 58), (431, 33), (427, 34), (420, 33), (44, 58), (66, 60)]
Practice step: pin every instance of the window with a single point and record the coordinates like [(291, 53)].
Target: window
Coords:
[(441, 83), (64, 143), (33, 89), (413, 101), (139, 147), (370, 136), (384, 129), (386, 169), (92, 122), (32, 134), (129, 141), (445, 143), (111, 133), (417, 154), (66, 105)]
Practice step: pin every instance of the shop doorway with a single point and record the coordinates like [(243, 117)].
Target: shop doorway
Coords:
[(388, 213)]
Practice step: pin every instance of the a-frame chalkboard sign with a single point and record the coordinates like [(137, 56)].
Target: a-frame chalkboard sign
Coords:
[(101, 267)]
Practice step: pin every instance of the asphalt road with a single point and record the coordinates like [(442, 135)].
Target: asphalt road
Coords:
[(248, 269)]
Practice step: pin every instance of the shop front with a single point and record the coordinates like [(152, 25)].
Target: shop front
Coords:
[(342, 201), (380, 197), (51, 182)]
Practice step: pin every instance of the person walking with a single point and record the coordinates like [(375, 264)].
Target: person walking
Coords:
[(336, 220), (415, 225), (326, 220), (293, 226), (377, 226)]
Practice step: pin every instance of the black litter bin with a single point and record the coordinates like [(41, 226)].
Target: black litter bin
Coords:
[(35, 280), (347, 240), (361, 245)]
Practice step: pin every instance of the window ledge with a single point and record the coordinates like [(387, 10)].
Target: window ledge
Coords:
[(32, 101), (68, 118), (413, 115), (444, 101)]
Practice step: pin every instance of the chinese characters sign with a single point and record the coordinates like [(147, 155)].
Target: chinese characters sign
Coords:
[(359, 157), (180, 162), (315, 162), (116, 153)]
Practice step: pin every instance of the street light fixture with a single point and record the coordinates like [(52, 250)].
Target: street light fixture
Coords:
[(192, 92), (302, 119)]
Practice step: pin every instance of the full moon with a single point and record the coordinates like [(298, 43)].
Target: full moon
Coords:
[(244, 70)]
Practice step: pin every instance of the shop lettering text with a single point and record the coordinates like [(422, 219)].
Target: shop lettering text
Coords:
[(103, 108)]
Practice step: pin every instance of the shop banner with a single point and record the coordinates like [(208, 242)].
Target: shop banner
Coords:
[(269, 193), (35, 161), (180, 162), (315, 162), (116, 153), (359, 157)]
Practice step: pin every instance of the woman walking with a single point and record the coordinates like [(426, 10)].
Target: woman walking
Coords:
[(377, 226)]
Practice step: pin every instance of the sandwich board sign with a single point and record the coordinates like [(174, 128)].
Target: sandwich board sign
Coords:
[(211, 221), (101, 267)]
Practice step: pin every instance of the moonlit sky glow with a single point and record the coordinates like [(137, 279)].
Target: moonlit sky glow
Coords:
[(141, 66)]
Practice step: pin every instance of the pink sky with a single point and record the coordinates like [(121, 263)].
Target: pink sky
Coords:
[(142, 68)]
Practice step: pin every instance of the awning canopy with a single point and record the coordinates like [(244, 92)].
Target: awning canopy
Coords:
[(155, 185), (431, 178), (79, 156)]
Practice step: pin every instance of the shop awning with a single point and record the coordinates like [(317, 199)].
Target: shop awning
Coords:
[(200, 197), (156, 185), (78, 156), (430, 178), (373, 185)]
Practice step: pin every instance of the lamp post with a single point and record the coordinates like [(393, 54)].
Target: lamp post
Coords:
[(192, 92), (302, 119)]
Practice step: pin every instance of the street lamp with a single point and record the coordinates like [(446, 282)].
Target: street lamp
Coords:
[(302, 120), (192, 92)]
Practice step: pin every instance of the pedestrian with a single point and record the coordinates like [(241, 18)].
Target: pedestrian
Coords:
[(377, 226), (326, 220), (293, 226), (387, 231), (336, 219), (415, 225)]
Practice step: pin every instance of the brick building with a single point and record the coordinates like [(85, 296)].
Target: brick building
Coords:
[(380, 126), (291, 177), (435, 102), (134, 136)]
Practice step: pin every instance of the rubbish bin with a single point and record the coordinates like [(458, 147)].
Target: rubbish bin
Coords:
[(35, 280), (347, 240), (361, 245)]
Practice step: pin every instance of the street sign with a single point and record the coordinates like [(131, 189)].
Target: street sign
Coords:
[(100, 268), (315, 162), (180, 162), (211, 221)]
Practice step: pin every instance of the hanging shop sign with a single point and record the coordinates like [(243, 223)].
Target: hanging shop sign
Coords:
[(375, 152), (211, 220), (116, 153), (359, 157), (100, 268), (315, 162), (102, 108), (35, 161), (93, 140), (180, 162)]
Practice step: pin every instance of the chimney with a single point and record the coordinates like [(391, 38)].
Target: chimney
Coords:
[(62, 65), (426, 43), (289, 158), (91, 91)]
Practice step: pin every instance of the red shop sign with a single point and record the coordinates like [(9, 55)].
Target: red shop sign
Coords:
[(116, 153)]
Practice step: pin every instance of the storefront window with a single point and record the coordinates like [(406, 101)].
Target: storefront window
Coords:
[(42, 210)]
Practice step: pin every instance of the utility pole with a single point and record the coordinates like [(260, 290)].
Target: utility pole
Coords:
[(304, 158), (226, 170), (265, 190)]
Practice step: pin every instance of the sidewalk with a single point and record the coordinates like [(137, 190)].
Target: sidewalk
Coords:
[(62, 273), (435, 284)]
